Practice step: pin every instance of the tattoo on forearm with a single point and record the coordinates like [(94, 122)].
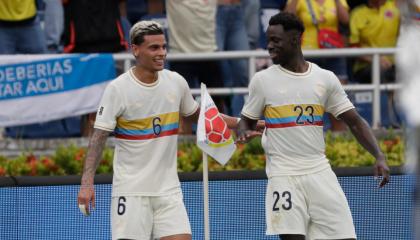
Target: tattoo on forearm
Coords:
[(93, 157)]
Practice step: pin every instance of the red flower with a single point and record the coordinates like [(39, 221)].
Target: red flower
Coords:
[(32, 166), (80, 155), (391, 143), (49, 164), (180, 153), (30, 158), (2, 171)]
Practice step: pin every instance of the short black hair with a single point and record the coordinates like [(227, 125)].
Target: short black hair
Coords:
[(289, 22), (143, 28)]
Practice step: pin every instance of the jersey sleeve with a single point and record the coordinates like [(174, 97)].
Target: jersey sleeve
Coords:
[(255, 104), (188, 105), (110, 108), (337, 100)]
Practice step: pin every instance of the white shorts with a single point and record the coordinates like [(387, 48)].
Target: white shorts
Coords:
[(145, 217), (313, 205)]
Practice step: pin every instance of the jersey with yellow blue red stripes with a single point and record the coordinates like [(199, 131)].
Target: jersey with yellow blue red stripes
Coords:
[(145, 121), (293, 106)]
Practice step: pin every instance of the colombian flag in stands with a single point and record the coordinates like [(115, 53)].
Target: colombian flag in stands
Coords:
[(148, 128)]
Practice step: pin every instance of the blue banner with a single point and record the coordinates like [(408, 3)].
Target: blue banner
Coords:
[(54, 75), (40, 88)]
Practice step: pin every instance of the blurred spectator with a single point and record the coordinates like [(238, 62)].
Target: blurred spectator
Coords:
[(230, 36), (53, 24), (156, 11), (376, 24), (20, 29), (192, 29), (136, 9), (408, 62), (152, 10), (319, 17), (252, 12), (408, 59), (198, 37), (273, 4), (125, 23), (93, 26)]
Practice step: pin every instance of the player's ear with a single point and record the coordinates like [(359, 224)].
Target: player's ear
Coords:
[(135, 49), (295, 39)]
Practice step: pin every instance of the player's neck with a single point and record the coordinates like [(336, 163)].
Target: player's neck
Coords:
[(144, 75), (296, 64)]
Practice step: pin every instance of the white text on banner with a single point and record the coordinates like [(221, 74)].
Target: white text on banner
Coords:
[(37, 89)]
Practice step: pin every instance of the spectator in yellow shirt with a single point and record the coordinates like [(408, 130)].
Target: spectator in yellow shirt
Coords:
[(375, 24), (20, 28)]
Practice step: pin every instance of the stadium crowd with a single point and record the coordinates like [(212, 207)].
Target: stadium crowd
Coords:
[(90, 26)]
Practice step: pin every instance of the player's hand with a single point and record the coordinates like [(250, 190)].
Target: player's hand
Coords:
[(258, 132), (86, 198), (381, 171), (245, 136), (252, 134), (260, 125)]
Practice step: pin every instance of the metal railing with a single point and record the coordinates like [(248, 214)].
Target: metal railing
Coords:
[(376, 87)]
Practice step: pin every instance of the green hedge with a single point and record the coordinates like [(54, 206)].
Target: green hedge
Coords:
[(342, 150)]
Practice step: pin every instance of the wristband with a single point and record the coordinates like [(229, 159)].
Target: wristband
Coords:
[(82, 208)]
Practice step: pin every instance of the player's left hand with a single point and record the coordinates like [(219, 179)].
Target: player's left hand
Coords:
[(244, 136), (381, 169), (260, 126), (86, 198), (251, 134)]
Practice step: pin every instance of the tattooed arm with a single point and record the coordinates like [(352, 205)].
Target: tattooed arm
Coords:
[(93, 157)]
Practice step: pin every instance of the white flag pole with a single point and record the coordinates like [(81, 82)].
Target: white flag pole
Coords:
[(206, 197)]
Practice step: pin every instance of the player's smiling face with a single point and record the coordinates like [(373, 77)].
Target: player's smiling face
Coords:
[(279, 44), (152, 52)]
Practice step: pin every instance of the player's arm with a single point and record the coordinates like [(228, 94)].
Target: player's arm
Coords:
[(246, 128), (232, 122), (93, 157), (193, 117), (364, 135)]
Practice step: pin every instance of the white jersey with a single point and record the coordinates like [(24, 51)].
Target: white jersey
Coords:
[(293, 105), (145, 120)]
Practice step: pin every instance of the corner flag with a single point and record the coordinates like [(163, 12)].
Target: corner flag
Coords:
[(213, 135)]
